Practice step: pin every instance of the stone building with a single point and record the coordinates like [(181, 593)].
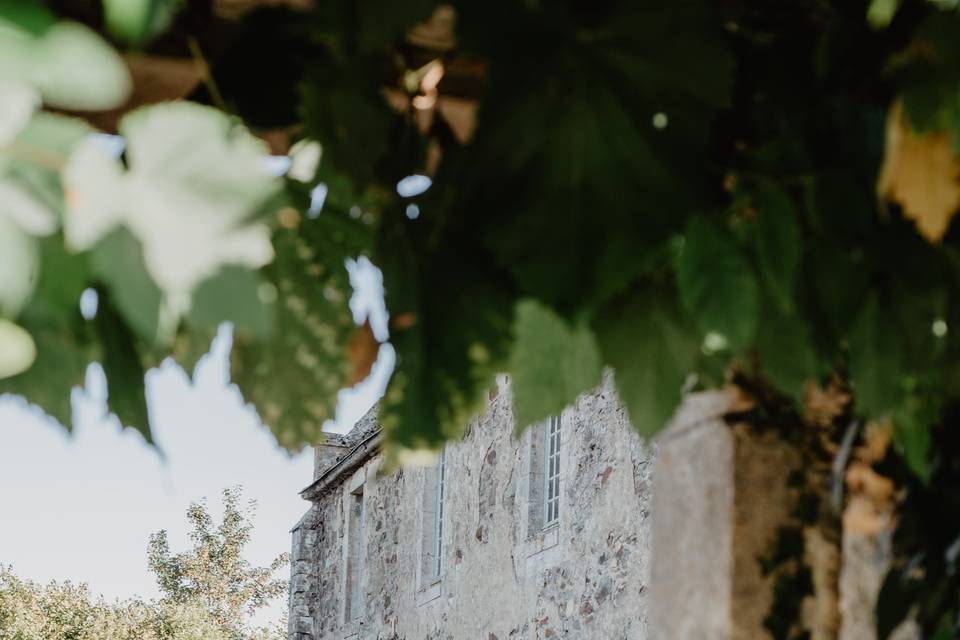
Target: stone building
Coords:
[(541, 535)]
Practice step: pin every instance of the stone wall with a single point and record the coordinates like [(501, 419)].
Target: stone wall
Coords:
[(503, 576)]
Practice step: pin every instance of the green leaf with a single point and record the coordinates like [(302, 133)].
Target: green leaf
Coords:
[(60, 365), (716, 283), (652, 347), (441, 377), (552, 362), (234, 295), (20, 266), (69, 64), (63, 278), (293, 376), (881, 12), (779, 241), (875, 360), (117, 261), (912, 425), (136, 21), (29, 15), (787, 353), (17, 349), (617, 106), (123, 369)]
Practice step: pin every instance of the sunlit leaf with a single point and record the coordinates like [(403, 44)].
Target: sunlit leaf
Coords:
[(17, 349), (294, 375), (136, 21), (190, 211), (20, 264), (552, 362), (69, 64), (652, 347), (921, 172)]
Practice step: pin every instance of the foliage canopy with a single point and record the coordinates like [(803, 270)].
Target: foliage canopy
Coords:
[(676, 190)]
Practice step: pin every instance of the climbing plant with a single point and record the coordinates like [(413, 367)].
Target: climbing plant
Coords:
[(674, 190)]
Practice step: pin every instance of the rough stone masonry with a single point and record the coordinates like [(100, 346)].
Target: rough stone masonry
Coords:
[(386, 557), (561, 533)]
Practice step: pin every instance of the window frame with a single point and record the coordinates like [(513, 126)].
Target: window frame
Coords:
[(552, 443)]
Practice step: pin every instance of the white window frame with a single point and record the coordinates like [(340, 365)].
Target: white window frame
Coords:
[(552, 434)]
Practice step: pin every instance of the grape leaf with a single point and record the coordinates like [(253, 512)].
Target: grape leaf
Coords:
[(652, 347), (876, 361), (716, 283), (117, 261), (293, 375), (788, 356), (234, 295), (124, 371), (778, 241), (552, 362)]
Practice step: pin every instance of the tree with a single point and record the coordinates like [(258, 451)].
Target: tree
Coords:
[(213, 574), (209, 592), (747, 193), (67, 611)]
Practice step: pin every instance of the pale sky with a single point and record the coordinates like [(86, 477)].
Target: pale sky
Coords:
[(82, 506)]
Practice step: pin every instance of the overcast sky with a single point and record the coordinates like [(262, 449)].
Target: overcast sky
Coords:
[(82, 506)]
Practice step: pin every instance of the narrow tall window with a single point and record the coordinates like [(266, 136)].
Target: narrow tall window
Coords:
[(441, 478), (551, 475), (353, 591), (434, 490)]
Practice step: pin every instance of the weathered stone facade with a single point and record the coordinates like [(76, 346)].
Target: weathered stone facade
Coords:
[(359, 568)]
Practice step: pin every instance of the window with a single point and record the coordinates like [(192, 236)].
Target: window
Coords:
[(543, 479), (551, 475), (434, 489), (353, 592)]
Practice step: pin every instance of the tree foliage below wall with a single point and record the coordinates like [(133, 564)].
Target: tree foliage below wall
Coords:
[(675, 189)]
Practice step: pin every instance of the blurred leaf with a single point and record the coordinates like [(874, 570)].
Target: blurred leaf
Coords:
[(881, 12), (912, 424), (234, 295), (191, 212), (894, 602), (618, 102), (778, 243), (716, 284), (123, 369), (17, 349), (552, 363), (117, 261), (63, 277), (60, 365), (652, 347), (21, 263), (787, 353), (69, 64), (441, 377), (29, 15), (362, 350), (294, 375), (136, 21), (876, 358), (921, 172)]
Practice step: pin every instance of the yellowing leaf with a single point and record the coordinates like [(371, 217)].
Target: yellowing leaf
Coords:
[(922, 174)]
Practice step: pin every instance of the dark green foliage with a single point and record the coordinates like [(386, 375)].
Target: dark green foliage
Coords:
[(126, 393), (926, 574)]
